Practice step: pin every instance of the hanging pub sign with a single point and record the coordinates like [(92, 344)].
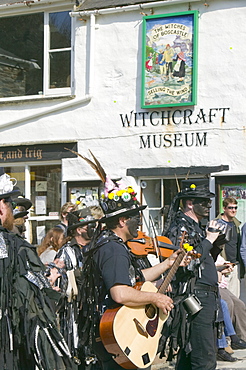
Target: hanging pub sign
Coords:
[(169, 61), (37, 152)]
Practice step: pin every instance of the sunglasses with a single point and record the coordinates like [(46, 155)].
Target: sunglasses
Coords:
[(230, 207)]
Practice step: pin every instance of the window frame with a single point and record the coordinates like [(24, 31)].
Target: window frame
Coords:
[(47, 92), (47, 51), (27, 192)]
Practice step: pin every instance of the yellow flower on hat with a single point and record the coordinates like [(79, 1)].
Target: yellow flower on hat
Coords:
[(187, 247), (111, 195), (193, 186), (129, 189)]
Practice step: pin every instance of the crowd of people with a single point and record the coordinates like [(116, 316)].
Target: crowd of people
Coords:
[(66, 303)]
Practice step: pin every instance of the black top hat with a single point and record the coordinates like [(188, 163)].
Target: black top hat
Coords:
[(120, 202), (195, 188), (7, 189), (79, 218)]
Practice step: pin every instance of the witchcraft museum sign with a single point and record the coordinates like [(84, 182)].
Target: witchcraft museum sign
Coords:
[(178, 118)]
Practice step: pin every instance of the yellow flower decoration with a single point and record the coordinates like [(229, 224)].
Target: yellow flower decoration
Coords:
[(129, 189), (78, 202), (193, 186), (120, 192), (111, 195), (187, 247)]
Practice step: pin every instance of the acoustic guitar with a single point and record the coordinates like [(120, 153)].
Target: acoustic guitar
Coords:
[(131, 334)]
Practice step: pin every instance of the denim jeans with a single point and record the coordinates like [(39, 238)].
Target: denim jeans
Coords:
[(229, 329)]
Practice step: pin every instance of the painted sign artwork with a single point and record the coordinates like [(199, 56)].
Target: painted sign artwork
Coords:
[(169, 60)]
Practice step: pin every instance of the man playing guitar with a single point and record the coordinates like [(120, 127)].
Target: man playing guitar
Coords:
[(117, 273)]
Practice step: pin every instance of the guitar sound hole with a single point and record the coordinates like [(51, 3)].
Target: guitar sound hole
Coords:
[(150, 311)]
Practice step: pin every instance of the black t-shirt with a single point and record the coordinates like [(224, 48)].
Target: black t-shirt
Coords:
[(113, 263), (196, 238)]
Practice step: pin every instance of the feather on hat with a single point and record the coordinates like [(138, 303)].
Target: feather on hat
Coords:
[(117, 199)]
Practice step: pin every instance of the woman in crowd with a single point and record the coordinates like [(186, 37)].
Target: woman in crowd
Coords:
[(52, 242)]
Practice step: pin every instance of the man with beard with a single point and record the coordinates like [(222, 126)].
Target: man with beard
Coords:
[(110, 271), (29, 336), (81, 225), (197, 340)]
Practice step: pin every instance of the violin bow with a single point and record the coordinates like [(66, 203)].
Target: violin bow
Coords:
[(157, 249)]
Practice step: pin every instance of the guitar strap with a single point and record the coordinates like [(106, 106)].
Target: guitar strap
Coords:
[(137, 265)]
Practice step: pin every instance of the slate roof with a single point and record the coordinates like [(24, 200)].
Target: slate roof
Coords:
[(100, 4)]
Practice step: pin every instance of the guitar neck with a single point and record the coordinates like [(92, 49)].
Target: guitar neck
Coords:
[(162, 289)]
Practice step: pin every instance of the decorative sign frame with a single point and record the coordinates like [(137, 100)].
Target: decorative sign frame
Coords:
[(169, 61)]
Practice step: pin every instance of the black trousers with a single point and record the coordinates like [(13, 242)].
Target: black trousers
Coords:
[(202, 336)]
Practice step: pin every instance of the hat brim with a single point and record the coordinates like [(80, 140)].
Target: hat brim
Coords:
[(191, 195), (81, 224), (11, 194), (21, 214), (123, 213), (23, 202)]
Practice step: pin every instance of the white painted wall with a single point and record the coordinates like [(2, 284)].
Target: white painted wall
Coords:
[(116, 88)]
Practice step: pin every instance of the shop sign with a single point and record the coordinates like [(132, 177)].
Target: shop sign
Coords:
[(165, 120), (37, 152)]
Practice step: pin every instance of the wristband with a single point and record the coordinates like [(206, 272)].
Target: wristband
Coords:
[(213, 230)]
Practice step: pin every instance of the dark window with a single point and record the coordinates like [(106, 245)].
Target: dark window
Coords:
[(22, 53)]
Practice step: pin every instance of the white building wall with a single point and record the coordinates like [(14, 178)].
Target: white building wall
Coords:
[(115, 89)]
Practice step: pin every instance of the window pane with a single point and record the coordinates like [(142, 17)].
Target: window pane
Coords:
[(21, 55), (60, 30), (45, 189), (84, 196), (60, 65), (17, 173), (36, 238), (152, 193)]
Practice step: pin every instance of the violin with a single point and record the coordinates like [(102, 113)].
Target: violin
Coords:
[(143, 245)]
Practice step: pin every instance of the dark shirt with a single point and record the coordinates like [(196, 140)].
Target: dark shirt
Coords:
[(196, 238), (114, 264), (231, 246)]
